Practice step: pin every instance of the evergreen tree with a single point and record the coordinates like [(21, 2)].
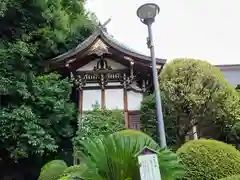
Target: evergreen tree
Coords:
[(36, 114), (193, 93)]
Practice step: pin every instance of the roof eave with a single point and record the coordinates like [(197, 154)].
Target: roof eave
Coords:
[(85, 44), (90, 40)]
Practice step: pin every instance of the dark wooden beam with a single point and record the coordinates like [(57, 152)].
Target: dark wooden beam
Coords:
[(80, 62), (119, 58), (112, 87), (80, 103), (125, 102)]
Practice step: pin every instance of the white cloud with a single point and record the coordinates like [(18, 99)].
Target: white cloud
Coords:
[(204, 29)]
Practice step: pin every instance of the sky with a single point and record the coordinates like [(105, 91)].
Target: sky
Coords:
[(200, 29)]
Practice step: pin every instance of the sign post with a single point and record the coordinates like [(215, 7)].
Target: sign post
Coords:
[(148, 161)]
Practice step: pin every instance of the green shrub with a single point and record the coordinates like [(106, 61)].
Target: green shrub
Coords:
[(139, 135), (209, 159), (75, 171), (64, 178), (132, 132), (190, 88), (98, 122), (234, 134), (235, 177), (148, 116), (52, 170)]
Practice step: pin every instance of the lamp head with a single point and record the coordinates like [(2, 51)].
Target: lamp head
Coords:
[(148, 12)]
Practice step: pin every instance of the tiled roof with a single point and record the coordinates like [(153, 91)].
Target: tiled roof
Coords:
[(120, 44), (107, 38)]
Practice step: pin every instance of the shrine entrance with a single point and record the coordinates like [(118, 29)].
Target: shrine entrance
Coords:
[(134, 120), (109, 73)]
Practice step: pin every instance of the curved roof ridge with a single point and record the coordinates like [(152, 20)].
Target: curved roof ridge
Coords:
[(111, 41), (126, 49), (111, 37), (78, 48)]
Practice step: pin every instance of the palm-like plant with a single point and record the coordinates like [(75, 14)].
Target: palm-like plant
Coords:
[(113, 158)]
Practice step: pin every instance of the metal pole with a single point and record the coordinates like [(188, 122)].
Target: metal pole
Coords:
[(160, 123)]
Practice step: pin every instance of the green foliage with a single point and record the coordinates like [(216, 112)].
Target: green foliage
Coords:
[(235, 177), (39, 125), (35, 110), (234, 134), (53, 170), (64, 178), (238, 88), (193, 93), (209, 159), (138, 135), (75, 171), (133, 133), (148, 119), (113, 157), (98, 122), (148, 116)]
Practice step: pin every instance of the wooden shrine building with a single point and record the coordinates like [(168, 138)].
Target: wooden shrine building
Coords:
[(109, 73)]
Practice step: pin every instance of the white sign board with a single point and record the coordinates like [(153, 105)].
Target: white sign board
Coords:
[(149, 168)]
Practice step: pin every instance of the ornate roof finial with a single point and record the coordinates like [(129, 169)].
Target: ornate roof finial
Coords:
[(103, 26)]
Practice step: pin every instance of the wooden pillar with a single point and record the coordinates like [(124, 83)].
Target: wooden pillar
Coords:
[(80, 101), (102, 98), (125, 108)]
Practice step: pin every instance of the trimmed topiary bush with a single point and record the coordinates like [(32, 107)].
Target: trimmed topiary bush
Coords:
[(140, 136), (209, 159), (236, 177), (65, 178), (75, 171), (132, 132), (53, 170)]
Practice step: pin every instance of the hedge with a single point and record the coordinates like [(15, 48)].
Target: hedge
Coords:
[(52, 170), (141, 136), (235, 177), (65, 178), (209, 159), (132, 132), (75, 171)]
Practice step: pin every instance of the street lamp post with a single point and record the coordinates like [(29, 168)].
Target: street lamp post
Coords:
[(147, 13)]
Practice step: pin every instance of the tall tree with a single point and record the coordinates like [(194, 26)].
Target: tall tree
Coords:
[(194, 93), (36, 114)]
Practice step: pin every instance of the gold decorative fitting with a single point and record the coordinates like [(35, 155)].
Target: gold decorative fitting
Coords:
[(159, 66), (99, 47)]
